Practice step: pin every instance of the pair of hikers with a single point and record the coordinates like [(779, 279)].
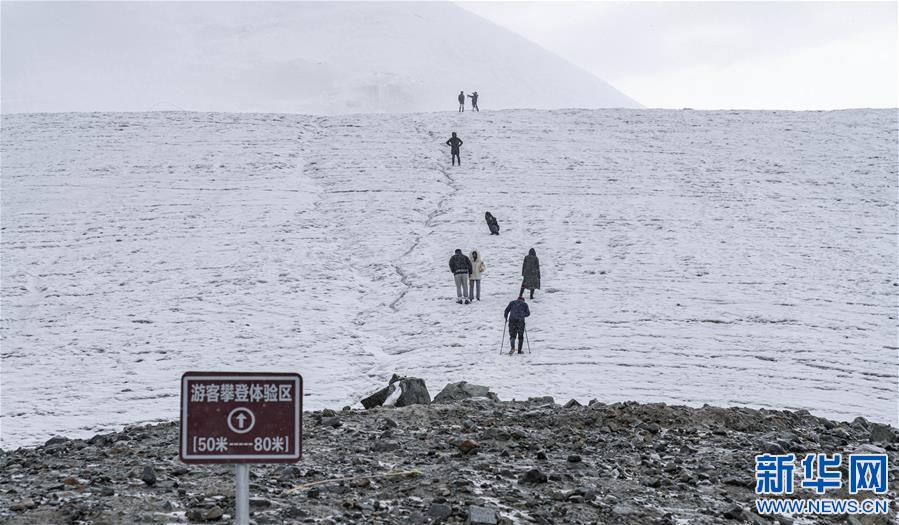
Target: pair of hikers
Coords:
[(467, 275), (474, 101), (517, 310)]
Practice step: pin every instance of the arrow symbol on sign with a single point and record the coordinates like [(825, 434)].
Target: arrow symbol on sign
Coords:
[(241, 420)]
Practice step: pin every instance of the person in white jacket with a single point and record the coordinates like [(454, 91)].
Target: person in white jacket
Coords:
[(474, 278)]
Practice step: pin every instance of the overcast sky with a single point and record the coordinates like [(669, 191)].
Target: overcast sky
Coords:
[(710, 55)]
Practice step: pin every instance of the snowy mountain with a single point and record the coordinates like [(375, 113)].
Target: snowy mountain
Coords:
[(315, 57), (730, 258)]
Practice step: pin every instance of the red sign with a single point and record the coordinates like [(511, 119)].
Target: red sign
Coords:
[(241, 417)]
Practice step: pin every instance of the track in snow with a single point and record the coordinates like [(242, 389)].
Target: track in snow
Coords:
[(688, 257)]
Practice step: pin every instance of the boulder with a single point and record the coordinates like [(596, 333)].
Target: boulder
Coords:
[(400, 392), (463, 390), (882, 433)]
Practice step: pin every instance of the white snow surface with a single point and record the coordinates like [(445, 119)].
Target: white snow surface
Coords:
[(729, 258), (294, 57)]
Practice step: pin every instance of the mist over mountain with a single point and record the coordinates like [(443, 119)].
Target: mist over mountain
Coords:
[(320, 58)]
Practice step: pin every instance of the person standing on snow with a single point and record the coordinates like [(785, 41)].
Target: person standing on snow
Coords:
[(454, 142), (474, 278), (461, 101), (460, 265), (474, 101), (515, 314), (530, 271)]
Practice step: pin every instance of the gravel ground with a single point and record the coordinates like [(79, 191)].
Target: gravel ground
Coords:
[(474, 461)]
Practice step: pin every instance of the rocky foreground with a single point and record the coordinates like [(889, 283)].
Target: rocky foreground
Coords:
[(477, 461)]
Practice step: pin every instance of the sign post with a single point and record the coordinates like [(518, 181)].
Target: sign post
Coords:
[(241, 418), (242, 494)]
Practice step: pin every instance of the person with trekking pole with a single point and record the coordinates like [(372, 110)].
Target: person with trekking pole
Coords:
[(515, 314)]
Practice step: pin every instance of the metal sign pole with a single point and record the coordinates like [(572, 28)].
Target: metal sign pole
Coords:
[(242, 494)]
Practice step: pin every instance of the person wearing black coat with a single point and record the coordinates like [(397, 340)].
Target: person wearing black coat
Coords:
[(530, 272), (515, 314), (454, 142), (474, 101), (460, 265), (461, 98), (491, 223)]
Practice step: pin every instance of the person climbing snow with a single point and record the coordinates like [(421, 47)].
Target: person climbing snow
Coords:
[(474, 101), (474, 278), (515, 314), (530, 271), (461, 101), (454, 142), (460, 265), (491, 223)]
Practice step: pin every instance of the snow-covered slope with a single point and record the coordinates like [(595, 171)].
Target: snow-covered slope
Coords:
[(297, 57), (687, 257)]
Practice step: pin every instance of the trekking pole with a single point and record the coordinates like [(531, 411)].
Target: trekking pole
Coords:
[(503, 340), (526, 338)]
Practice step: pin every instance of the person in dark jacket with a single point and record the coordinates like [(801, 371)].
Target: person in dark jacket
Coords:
[(461, 101), (491, 223), (530, 271), (460, 265), (474, 101), (515, 314), (454, 142)]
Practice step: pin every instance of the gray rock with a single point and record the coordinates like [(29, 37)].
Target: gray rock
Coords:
[(202, 515), (498, 434), (259, 503), (772, 447), (463, 390), (543, 400), (736, 513), (867, 448), (328, 413), (377, 399), (439, 512), (332, 421), (213, 514), (414, 392), (860, 423), (24, 504), (384, 446), (882, 433), (56, 440), (573, 403), (481, 516), (468, 447), (294, 513), (653, 428), (533, 476), (148, 476)]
